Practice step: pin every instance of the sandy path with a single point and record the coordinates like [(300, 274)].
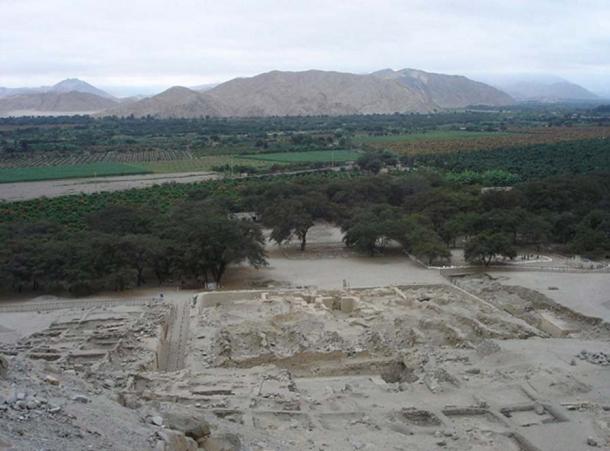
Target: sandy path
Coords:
[(178, 336)]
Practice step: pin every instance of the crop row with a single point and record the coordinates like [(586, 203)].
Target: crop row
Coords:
[(45, 159), (476, 141)]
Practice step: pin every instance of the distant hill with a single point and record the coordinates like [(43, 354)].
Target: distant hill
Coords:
[(67, 85), (53, 103), (74, 84), (317, 92), (68, 96), (540, 88)]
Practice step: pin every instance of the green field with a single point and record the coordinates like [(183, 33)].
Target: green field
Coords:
[(207, 163), (432, 135), (313, 156), (8, 175)]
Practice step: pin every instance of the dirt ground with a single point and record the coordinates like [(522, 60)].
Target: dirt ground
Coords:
[(587, 293), (327, 264)]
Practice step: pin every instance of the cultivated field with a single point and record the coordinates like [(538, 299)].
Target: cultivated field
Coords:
[(436, 135), (438, 142), (314, 156), (26, 174), (207, 163)]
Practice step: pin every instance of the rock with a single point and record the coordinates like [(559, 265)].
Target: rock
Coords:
[(202, 430), (3, 366), (81, 398), (20, 396), (193, 426), (54, 409), (539, 408), (156, 420), (473, 371), (129, 400), (31, 403), (592, 442), (175, 441), (51, 380), (442, 443), (222, 442)]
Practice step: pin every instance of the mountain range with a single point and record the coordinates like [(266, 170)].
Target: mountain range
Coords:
[(317, 92), (281, 93)]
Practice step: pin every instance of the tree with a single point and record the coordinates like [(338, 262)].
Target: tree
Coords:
[(416, 234), (431, 248), (138, 251), (534, 229), (295, 215), (121, 219), (486, 246), (210, 240), (592, 235), (370, 229), (374, 161)]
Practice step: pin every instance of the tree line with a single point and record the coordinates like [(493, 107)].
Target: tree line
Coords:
[(194, 238)]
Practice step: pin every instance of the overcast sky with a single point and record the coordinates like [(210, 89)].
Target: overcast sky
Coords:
[(147, 45)]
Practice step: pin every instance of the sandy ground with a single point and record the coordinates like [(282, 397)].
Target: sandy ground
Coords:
[(326, 264), (56, 188), (330, 272), (586, 293)]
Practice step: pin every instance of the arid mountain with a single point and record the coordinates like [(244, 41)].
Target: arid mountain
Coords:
[(317, 92), (548, 92), (447, 91), (53, 103), (174, 102)]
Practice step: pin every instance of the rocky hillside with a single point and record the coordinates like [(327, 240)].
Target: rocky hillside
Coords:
[(316, 92), (447, 91)]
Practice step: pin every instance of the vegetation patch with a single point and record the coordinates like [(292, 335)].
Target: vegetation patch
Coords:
[(569, 157), (314, 156), (430, 143), (424, 136), (26, 174), (208, 163)]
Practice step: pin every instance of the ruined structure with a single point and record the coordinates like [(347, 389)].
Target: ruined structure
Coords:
[(403, 367)]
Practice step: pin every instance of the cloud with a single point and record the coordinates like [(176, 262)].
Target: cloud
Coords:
[(157, 42)]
